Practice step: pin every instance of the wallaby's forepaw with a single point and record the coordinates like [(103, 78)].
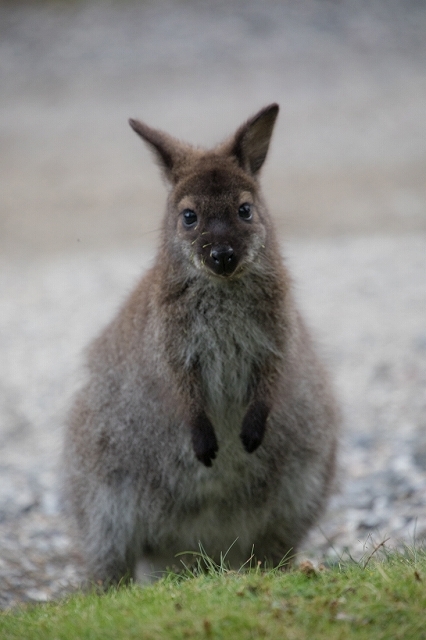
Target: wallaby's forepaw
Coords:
[(204, 440), (254, 426)]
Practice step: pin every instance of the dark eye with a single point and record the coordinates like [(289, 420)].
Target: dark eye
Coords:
[(189, 218), (245, 211)]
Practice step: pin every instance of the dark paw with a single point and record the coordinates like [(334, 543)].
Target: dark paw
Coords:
[(204, 440), (254, 426), (251, 441)]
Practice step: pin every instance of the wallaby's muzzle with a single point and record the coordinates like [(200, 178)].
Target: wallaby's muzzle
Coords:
[(222, 259)]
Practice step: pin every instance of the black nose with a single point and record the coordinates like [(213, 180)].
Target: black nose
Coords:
[(223, 259)]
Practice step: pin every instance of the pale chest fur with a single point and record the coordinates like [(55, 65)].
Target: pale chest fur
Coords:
[(227, 342)]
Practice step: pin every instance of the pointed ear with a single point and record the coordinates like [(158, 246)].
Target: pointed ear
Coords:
[(170, 153), (251, 141)]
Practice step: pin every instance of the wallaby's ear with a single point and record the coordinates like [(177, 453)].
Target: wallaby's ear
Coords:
[(170, 153), (250, 143)]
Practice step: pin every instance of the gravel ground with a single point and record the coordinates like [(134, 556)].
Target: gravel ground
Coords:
[(345, 180), (365, 299)]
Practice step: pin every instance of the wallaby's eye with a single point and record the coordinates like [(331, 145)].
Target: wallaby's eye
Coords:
[(189, 218), (245, 212)]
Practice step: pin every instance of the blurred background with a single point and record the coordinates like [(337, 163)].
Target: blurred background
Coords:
[(349, 150), (81, 203)]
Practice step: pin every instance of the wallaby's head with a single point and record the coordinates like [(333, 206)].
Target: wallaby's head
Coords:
[(215, 219)]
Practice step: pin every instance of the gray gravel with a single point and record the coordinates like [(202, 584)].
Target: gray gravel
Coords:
[(365, 299), (80, 198)]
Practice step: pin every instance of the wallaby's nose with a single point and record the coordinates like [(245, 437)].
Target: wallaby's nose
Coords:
[(223, 258)]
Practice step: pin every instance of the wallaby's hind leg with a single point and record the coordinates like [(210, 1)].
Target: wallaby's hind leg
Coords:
[(107, 534), (112, 569), (274, 552)]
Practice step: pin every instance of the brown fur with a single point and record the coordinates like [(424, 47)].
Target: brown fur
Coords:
[(206, 417)]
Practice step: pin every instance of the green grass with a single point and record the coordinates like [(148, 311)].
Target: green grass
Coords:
[(373, 600)]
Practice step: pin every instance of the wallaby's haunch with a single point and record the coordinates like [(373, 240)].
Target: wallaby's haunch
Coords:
[(206, 418)]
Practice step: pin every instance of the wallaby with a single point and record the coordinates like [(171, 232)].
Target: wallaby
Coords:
[(206, 418)]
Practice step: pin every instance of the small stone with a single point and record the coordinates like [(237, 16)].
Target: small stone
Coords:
[(345, 617), (37, 595), (49, 503)]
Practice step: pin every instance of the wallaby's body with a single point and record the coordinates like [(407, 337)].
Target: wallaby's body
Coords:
[(206, 418)]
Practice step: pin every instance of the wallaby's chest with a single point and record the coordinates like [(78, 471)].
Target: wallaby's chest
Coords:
[(227, 343)]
